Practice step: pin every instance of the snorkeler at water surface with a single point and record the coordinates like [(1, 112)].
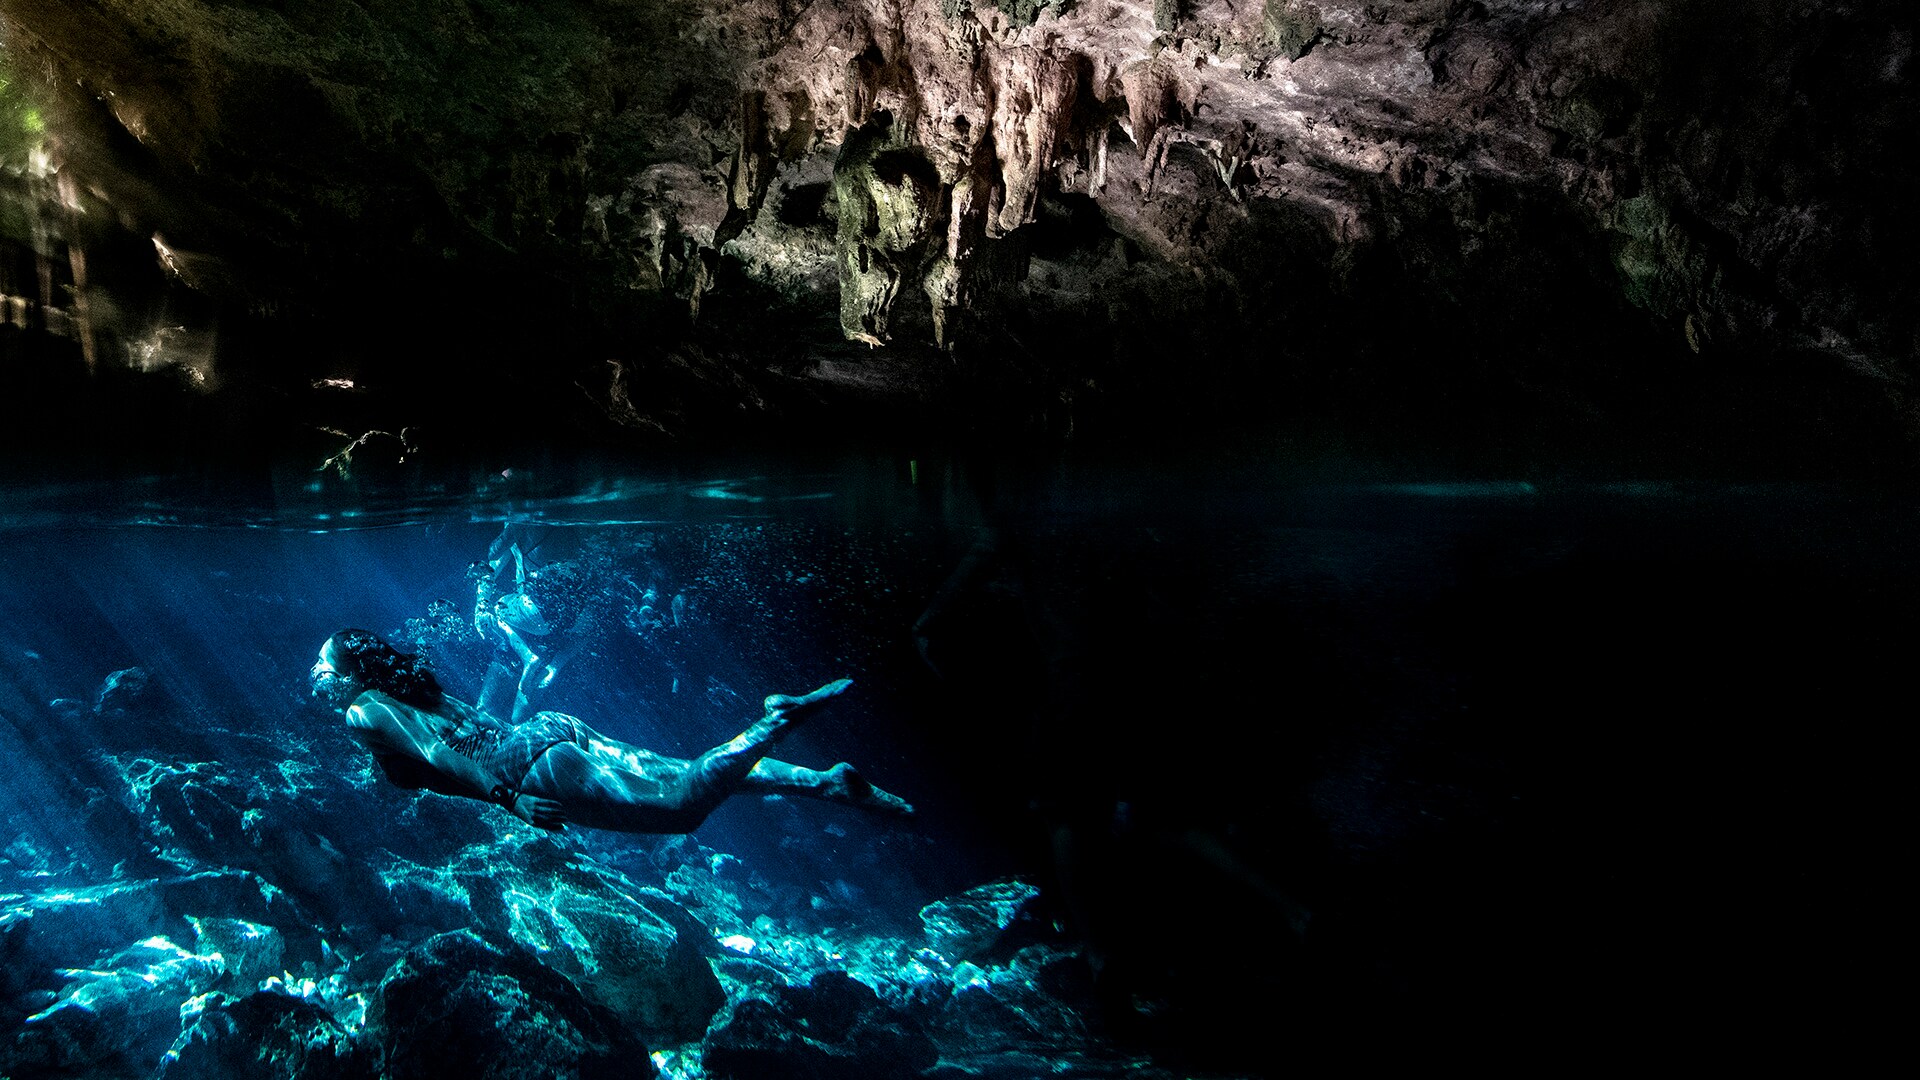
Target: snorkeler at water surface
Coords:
[(541, 596), (553, 770), (535, 639)]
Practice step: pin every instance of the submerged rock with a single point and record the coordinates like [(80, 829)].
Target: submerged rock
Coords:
[(122, 1015), (124, 689), (1027, 1018), (259, 813), (635, 952), (76, 928), (250, 951), (965, 926), (1036, 999), (630, 949), (68, 709), (833, 1028), (266, 1034), (470, 1003), (1003, 1064), (72, 929)]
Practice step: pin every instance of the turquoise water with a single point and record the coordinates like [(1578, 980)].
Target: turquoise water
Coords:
[(1294, 745)]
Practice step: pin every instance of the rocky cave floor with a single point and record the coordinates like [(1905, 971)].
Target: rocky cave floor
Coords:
[(266, 915)]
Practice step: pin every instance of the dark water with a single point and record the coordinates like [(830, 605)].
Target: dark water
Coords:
[(1307, 754)]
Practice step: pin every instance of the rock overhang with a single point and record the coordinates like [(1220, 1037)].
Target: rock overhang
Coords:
[(642, 172)]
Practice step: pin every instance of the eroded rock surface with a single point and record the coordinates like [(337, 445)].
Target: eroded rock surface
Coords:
[(966, 926), (476, 1005), (832, 1028), (121, 1015), (1103, 198), (266, 1033), (279, 911)]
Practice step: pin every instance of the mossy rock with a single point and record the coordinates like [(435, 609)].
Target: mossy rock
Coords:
[(1597, 108), (1291, 28), (905, 189), (888, 198), (1025, 12), (22, 128)]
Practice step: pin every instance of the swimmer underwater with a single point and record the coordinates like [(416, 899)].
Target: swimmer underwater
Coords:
[(552, 770)]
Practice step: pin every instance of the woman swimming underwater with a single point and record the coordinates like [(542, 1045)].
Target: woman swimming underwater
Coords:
[(552, 769)]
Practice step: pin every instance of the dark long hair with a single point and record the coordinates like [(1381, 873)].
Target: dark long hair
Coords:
[(368, 660)]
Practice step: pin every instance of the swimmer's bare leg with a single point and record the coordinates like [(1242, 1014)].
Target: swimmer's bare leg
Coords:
[(528, 683), (556, 659), (605, 784), (536, 677), (499, 687), (796, 707), (524, 691), (720, 771), (840, 784)]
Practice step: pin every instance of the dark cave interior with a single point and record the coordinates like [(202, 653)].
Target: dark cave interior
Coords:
[(1409, 510)]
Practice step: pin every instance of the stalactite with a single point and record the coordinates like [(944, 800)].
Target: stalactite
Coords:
[(43, 265), (866, 73), (1037, 91), (752, 169), (1097, 182), (890, 198), (256, 129), (1151, 101), (82, 310), (702, 274), (947, 279)]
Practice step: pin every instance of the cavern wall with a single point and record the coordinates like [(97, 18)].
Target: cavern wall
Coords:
[(1188, 202)]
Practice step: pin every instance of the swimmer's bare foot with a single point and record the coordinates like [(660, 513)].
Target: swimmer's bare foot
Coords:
[(789, 708), (844, 784)]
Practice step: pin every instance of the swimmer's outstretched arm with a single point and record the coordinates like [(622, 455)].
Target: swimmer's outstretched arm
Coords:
[(389, 727)]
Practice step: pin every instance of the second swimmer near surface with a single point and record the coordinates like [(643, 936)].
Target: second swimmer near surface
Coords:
[(551, 769)]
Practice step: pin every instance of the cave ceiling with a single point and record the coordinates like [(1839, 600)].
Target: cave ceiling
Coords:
[(759, 203)]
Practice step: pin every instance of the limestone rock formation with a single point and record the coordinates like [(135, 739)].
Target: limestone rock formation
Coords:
[(629, 949), (1298, 197), (122, 690), (832, 1028), (965, 926), (266, 1033), (473, 1004), (119, 1016)]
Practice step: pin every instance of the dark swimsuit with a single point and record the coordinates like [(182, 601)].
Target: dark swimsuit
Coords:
[(506, 753), (510, 753)]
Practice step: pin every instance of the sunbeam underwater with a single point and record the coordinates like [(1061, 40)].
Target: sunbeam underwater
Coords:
[(1212, 774)]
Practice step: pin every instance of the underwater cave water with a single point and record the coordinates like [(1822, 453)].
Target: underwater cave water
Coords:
[(1217, 768)]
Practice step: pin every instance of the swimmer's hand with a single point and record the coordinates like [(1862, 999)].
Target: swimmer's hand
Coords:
[(532, 809), (540, 813)]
